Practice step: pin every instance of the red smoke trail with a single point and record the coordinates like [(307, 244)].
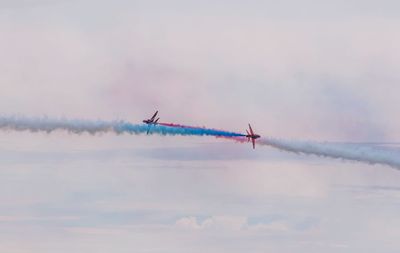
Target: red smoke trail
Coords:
[(240, 139), (178, 125)]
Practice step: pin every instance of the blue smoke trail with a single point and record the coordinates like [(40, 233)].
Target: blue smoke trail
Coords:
[(49, 125), (125, 127)]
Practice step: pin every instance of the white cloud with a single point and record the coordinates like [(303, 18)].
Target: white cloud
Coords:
[(214, 222), (232, 223)]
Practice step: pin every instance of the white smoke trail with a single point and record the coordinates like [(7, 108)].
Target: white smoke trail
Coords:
[(45, 124), (48, 125), (366, 154)]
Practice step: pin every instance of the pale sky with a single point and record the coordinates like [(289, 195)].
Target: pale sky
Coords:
[(309, 70)]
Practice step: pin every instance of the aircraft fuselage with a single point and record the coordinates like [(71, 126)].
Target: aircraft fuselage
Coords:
[(254, 136)]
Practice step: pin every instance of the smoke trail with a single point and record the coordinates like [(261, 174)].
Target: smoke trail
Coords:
[(214, 132), (49, 125), (366, 154), (177, 125)]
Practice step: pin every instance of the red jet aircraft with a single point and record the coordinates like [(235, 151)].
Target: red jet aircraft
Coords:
[(151, 121), (252, 136)]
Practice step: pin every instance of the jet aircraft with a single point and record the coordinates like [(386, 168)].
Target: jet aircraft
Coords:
[(151, 121), (251, 135)]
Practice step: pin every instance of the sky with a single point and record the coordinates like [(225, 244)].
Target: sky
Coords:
[(306, 70)]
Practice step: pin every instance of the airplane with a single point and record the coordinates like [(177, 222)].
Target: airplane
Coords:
[(151, 121), (252, 136)]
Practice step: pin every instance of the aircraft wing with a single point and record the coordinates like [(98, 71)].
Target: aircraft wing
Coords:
[(251, 130), (154, 116)]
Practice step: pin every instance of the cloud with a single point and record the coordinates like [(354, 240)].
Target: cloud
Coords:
[(233, 223), (215, 222)]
